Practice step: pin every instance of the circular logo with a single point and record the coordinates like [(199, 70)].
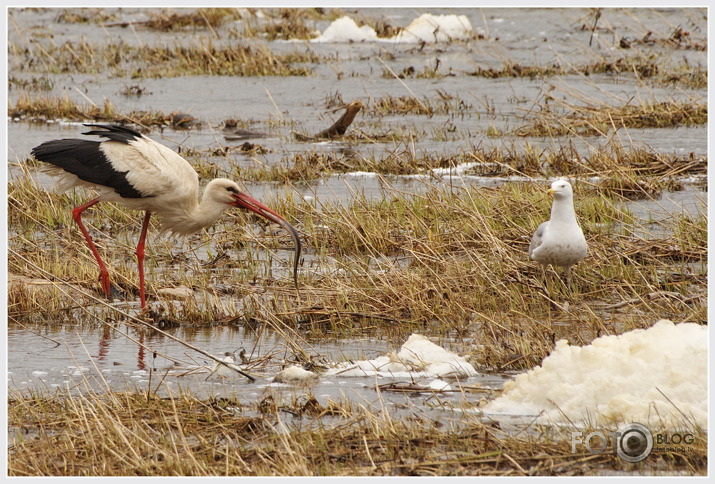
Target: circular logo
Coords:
[(634, 442)]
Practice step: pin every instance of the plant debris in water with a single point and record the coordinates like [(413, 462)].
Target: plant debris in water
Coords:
[(588, 121), (156, 61)]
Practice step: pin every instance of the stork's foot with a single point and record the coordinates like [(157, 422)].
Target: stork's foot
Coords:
[(106, 285), (112, 291)]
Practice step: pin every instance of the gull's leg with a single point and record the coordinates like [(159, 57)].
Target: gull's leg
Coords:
[(568, 278)]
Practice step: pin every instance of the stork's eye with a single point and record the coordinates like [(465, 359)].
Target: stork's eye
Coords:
[(231, 189)]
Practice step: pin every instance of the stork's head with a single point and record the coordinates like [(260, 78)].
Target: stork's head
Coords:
[(560, 189), (223, 190)]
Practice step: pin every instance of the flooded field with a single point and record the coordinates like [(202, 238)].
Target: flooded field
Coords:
[(415, 220)]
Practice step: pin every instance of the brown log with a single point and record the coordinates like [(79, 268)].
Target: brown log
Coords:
[(339, 127)]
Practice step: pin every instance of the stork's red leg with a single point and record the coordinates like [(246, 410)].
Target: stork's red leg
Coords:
[(103, 272), (140, 258)]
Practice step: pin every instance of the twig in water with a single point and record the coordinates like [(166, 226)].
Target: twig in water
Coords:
[(597, 15)]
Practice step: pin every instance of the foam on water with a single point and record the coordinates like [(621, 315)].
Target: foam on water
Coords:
[(435, 28), (426, 28), (418, 358), (345, 29), (295, 374), (647, 376)]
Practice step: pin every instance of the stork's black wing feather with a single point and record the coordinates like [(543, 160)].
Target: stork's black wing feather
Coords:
[(113, 132), (88, 162)]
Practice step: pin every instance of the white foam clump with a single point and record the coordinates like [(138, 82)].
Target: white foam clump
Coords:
[(418, 357), (361, 174), (617, 379), (440, 385), (455, 170), (426, 28), (294, 374), (345, 29), (223, 371), (435, 28)]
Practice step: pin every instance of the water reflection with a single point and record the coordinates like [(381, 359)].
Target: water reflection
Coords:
[(122, 364)]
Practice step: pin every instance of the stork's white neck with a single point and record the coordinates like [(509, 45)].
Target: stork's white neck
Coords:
[(188, 220)]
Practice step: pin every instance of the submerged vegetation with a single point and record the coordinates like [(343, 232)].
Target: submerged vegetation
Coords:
[(431, 248), (44, 108), (599, 120), (644, 68), (651, 171), (124, 60)]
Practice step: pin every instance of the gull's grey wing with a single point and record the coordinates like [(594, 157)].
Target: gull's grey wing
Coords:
[(537, 238)]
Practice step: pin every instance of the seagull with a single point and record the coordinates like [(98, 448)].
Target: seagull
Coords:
[(136, 171), (560, 240)]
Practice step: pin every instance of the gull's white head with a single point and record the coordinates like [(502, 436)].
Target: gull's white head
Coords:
[(561, 189)]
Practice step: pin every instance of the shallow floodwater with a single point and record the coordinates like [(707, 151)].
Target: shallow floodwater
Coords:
[(71, 355), (102, 359)]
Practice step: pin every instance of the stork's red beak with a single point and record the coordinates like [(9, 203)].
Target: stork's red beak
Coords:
[(249, 203)]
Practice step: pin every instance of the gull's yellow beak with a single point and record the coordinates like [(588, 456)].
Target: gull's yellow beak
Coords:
[(551, 191)]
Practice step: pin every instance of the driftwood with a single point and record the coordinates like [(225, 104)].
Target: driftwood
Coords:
[(406, 387), (243, 134), (181, 120), (231, 132), (338, 128)]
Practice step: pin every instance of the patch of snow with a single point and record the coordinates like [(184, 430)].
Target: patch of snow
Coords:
[(223, 371)]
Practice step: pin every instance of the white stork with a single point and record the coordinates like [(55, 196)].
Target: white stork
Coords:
[(560, 240), (132, 169)]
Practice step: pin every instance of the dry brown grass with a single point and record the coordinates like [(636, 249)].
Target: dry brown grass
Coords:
[(132, 434), (153, 61), (440, 262), (49, 108), (631, 173), (451, 261), (600, 120), (201, 18)]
